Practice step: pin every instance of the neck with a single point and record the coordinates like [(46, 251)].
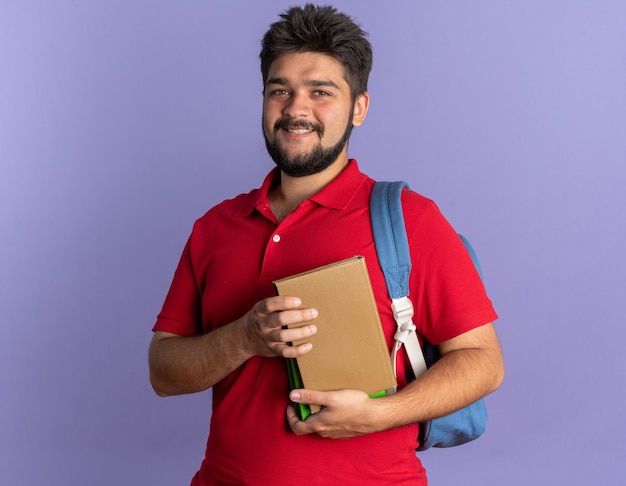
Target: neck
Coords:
[(291, 191)]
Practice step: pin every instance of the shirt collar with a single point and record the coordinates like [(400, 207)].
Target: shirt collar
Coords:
[(336, 195), (341, 190), (259, 196)]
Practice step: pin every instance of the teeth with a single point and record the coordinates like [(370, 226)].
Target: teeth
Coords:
[(300, 131)]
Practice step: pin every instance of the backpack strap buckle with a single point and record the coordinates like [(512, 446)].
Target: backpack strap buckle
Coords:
[(403, 314), (406, 335)]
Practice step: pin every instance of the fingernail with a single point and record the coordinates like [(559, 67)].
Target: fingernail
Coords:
[(296, 301), (295, 396)]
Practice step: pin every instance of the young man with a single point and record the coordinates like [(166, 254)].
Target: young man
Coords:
[(221, 325)]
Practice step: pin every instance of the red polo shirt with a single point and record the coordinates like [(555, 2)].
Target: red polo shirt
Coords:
[(234, 253)]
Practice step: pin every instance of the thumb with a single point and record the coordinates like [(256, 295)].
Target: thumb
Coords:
[(308, 397)]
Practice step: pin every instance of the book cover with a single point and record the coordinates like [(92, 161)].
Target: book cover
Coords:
[(349, 349)]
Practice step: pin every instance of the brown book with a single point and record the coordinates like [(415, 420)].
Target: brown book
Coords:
[(349, 349)]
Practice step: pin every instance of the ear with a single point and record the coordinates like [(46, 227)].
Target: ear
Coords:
[(361, 105)]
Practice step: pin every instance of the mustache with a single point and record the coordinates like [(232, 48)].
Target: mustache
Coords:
[(291, 124)]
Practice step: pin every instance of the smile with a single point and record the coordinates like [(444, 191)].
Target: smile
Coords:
[(298, 127), (299, 131)]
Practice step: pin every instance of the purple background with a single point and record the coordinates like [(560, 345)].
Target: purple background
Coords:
[(123, 121)]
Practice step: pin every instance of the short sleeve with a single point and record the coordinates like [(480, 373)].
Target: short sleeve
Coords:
[(446, 289), (182, 312)]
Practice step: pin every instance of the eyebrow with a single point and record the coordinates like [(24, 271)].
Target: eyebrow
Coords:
[(312, 82)]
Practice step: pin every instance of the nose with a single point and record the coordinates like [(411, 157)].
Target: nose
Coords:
[(298, 106)]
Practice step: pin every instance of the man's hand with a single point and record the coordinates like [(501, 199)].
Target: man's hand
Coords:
[(471, 367), (265, 327), (181, 364), (344, 414)]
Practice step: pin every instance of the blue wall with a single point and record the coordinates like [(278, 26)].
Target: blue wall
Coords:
[(121, 122)]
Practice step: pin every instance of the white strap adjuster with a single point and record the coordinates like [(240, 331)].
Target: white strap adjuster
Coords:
[(406, 334), (402, 309)]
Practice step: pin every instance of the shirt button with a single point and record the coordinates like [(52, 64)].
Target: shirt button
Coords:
[(276, 238)]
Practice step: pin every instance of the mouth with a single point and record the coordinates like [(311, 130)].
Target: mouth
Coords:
[(297, 127), (299, 131)]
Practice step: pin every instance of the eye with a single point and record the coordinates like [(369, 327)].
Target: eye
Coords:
[(321, 92), (279, 93)]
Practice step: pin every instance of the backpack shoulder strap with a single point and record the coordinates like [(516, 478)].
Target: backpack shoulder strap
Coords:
[(392, 249), (392, 245), (395, 260)]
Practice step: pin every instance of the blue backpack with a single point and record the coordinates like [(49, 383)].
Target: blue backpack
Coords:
[(392, 248)]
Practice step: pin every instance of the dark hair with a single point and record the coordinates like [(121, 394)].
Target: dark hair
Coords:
[(325, 30)]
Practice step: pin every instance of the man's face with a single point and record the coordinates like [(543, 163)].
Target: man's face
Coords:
[(308, 113)]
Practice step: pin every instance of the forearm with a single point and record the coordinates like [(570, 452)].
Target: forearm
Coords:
[(190, 364), (181, 365), (456, 380), (471, 367)]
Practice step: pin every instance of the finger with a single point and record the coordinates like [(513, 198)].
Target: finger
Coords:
[(288, 351), (311, 397), (278, 303), (292, 419), (293, 334), (293, 317), (291, 340), (296, 425)]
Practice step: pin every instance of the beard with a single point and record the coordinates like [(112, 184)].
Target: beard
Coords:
[(310, 163)]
